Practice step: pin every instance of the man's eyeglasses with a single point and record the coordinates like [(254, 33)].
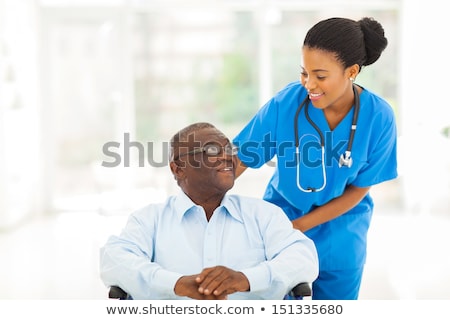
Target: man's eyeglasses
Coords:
[(213, 150)]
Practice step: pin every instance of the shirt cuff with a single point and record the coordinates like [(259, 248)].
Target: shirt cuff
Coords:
[(164, 281), (259, 277)]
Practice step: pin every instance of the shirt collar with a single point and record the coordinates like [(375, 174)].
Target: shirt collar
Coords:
[(231, 207), (183, 204)]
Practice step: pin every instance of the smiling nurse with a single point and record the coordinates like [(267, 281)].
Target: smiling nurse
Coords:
[(333, 140)]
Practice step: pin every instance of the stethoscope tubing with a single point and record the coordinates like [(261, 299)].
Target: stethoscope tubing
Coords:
[(345, 159), (324, 175)]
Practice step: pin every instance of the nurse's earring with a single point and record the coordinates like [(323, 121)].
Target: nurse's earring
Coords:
[(352, 79)]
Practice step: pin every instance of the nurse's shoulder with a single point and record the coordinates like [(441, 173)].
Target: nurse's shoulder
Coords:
[(292, 92)]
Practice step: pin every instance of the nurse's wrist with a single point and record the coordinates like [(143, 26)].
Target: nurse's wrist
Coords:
[(299, 225)]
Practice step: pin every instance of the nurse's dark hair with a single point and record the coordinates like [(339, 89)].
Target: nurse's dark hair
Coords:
[(185, 135), (353, 42)]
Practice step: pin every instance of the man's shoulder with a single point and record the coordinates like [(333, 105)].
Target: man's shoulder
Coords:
[(255, 211), (248, 201)]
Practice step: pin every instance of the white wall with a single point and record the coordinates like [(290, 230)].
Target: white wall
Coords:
[(425, 107), (19, 119)]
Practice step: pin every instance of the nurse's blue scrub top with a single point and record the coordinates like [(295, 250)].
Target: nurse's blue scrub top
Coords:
[(341, 242)]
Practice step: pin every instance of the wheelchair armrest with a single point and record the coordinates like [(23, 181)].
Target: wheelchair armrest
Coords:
[(302, 289), (117, 293)]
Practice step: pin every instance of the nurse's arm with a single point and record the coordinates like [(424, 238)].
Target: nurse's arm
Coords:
[(334, 208)]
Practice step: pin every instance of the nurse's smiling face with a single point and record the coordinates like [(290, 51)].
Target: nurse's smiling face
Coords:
[(327, 82)]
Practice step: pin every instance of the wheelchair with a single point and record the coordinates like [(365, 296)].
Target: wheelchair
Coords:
[(300, 291)]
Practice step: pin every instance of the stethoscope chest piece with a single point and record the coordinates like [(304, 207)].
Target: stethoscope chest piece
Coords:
[(345, 160)]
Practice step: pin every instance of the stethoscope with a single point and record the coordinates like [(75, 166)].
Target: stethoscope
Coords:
[(344, 160)]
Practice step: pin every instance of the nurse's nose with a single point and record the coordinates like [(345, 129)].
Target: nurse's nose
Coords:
[(309, 83)]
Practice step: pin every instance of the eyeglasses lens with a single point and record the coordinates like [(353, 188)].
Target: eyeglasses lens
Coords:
[(215, 150)]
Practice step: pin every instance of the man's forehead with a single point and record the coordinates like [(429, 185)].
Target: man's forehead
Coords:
[(214, 133)]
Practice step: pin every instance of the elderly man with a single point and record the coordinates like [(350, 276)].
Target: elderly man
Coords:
[(203, 243)]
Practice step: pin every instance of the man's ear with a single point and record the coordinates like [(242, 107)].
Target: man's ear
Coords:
[(177, 170)]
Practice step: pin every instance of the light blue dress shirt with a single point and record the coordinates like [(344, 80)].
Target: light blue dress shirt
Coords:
[(162, 242)]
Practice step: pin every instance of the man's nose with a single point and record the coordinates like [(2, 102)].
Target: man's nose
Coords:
[(224, 155)]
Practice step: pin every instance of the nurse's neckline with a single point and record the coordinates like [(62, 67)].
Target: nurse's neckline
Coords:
[(333, 119)]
